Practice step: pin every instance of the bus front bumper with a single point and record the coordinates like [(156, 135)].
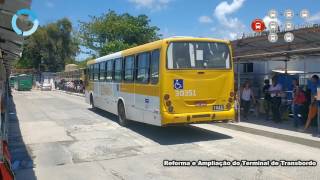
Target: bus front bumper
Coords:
[(202, 117)]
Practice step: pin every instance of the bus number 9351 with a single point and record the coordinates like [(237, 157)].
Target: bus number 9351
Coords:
[(187, 93)]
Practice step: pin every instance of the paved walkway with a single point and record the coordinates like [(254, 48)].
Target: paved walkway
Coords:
[(283, 131), (56, 136)]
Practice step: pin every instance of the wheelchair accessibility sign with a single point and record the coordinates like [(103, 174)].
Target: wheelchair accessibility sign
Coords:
[(178, 84)]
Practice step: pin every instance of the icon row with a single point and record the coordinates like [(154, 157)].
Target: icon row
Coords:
[(288, 37), (289, 14), (258, 25)]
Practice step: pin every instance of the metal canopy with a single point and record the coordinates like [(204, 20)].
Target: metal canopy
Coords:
[(306, 42), (10, 42)]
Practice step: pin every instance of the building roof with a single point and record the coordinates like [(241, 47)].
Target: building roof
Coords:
[(306, 42)]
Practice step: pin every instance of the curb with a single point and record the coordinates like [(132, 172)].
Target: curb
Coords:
[(70, 93), (284, 137)]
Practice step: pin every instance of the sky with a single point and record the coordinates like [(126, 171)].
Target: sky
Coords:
[(226, 19)]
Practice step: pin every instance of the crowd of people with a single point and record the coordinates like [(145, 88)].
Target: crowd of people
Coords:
[(303, 106), (75, 86)]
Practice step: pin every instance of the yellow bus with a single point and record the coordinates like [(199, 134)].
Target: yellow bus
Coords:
[(177, 80)]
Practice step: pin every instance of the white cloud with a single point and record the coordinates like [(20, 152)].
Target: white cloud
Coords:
[(151, 4), (205, 19), (314, 18), (230, 27), (223, 9)]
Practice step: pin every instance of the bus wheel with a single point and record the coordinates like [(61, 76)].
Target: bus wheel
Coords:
[(122, 115), (91, 102)]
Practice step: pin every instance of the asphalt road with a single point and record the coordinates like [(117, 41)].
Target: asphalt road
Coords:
[(56, 136)]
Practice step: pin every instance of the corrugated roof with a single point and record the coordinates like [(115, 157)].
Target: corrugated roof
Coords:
[(306, 42), (10, 42)]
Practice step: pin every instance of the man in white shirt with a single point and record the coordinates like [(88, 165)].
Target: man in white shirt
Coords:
[(275, 92)]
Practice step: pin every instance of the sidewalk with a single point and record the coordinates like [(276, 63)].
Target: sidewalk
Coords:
[(283, 131)]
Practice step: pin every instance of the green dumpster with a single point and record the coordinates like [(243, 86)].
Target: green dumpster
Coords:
[(23, 82), (11, 81)]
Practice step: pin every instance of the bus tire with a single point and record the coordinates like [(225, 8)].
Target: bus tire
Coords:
[(92, 102), (122, 114)]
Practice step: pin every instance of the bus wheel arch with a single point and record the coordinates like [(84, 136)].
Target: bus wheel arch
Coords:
[(122, 118)]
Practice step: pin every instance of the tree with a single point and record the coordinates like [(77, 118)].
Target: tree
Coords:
[(114, 32), (50, 47)]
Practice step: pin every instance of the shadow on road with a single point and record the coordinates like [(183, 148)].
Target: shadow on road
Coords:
[(22, 163), (180, 134)]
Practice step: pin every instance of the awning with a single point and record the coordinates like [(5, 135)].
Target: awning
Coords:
[(10, 42), (306, 42)]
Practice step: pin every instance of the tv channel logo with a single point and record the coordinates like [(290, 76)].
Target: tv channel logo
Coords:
[(32, 17)]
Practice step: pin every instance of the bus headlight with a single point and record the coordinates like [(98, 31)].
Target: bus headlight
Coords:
[(228, 106), (168, 103), (231, 94), (230, 100), (166, 97)]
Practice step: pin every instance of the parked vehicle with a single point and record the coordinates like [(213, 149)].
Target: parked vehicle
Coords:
[(46, 86)]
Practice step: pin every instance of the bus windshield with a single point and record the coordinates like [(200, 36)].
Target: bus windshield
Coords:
[(198, 55)]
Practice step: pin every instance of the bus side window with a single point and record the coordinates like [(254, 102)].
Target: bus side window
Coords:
[(102, 71), (129, 69), (109, 70), (97, 72), (118, 70), (143, 64), (154, 67), (105, 70), (91, 73)]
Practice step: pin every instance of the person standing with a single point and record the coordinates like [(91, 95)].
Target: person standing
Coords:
[(275, 93), (298, 101), (313, 110), (267, 98), (246, 97), (295, 86)]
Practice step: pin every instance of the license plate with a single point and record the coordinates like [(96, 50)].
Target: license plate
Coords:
[(218, 107)]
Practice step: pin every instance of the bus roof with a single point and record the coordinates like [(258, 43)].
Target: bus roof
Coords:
[(150, 46)]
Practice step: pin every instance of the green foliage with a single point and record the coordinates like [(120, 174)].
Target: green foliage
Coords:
[(114, 32), (55, 45), (115, 46), (50, 47)]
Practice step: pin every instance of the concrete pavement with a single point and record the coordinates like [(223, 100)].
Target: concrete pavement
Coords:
[(55, 136)]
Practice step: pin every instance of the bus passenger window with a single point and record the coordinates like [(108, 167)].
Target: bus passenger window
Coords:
[(109, 70), (143, 64), (118, 70), (154, 67), (90, 72), (128, 69), (102, 71), (96, 72)]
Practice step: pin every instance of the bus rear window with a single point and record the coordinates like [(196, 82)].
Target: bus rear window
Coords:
[(198, 55)]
